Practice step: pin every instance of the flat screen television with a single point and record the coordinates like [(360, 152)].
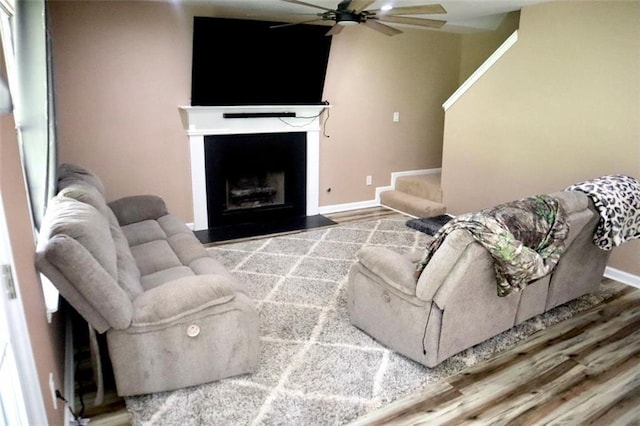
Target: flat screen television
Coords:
[(245, 62)]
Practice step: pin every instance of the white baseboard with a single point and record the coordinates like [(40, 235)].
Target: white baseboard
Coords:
[(623, 277), (381, 189), (338, 208), (396, 175)]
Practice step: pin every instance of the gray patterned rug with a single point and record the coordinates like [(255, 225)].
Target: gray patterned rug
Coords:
[(315, 367)]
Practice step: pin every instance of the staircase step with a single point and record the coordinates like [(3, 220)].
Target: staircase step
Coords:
[(422, 186), (410, 204)]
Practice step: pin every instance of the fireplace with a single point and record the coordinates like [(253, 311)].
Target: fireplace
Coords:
[(254, 190), (255, 177), (249, 200)]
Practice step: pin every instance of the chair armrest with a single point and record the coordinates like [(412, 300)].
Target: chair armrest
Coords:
[(137, 208), (179, 298), (393, 268)]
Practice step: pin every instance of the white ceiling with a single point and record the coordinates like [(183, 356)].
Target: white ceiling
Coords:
[(461, 16)]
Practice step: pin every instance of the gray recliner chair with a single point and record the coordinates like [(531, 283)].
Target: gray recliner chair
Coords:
[(173, 315), (454, 303)]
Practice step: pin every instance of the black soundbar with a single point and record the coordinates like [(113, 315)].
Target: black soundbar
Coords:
[(257, 114)]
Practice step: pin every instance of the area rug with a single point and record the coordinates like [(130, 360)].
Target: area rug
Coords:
[(315, 367)]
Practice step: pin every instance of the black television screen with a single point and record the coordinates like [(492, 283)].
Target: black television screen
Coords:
[(245, 62)]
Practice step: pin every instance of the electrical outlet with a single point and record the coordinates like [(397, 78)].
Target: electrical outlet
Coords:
[(52, 388), (368, 180), (396, 117)]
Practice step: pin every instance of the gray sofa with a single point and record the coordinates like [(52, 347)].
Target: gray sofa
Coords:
[(173, 315), (454, 304)]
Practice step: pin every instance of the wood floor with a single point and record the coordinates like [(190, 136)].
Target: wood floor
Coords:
[(585, 370)]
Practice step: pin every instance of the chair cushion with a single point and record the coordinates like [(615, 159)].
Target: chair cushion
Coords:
[(158, 278), (86, 193), (143, 232), (394, 269), (127, 271), (155, 256), (179, 298), (71, 173), (76, 252), (85, 224)]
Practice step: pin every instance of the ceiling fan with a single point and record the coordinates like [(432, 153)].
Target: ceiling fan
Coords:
[(354, 12)]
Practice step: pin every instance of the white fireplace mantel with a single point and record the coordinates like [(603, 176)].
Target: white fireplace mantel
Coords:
[(201, 121)]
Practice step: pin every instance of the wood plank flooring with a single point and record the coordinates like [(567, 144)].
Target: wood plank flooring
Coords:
[(585, 370), (361, 215)]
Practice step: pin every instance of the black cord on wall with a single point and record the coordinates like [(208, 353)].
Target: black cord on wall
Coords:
[(76, 416)]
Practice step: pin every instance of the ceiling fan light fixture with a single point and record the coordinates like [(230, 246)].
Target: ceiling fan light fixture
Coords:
[(353, 12), (348, 19)]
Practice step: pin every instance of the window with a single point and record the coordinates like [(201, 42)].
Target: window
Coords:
[(30, 98)]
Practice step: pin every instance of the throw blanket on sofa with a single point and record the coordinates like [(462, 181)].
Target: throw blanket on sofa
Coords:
[(525, 238), (617, 198)]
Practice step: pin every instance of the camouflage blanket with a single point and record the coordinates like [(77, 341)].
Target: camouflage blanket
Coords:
[(525, 239)]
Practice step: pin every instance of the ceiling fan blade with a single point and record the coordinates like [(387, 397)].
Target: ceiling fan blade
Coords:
[(428, 9), (283, 17), (385, 29), (431, 23), (335, 30), (308, 4), (358, 6), (296, 23)]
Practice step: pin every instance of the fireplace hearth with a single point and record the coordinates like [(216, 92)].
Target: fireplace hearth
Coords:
[(266, 227)]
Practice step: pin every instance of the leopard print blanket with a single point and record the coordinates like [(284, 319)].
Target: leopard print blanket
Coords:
[(525, 238), (617, 198)]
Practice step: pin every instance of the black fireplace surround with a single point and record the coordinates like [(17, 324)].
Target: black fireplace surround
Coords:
[(246, 176), (256, 185)]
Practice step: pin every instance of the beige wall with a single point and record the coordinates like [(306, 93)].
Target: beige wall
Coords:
[(562, 106), (478, 46), (371, 76), (47, 340), (122, 68)]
